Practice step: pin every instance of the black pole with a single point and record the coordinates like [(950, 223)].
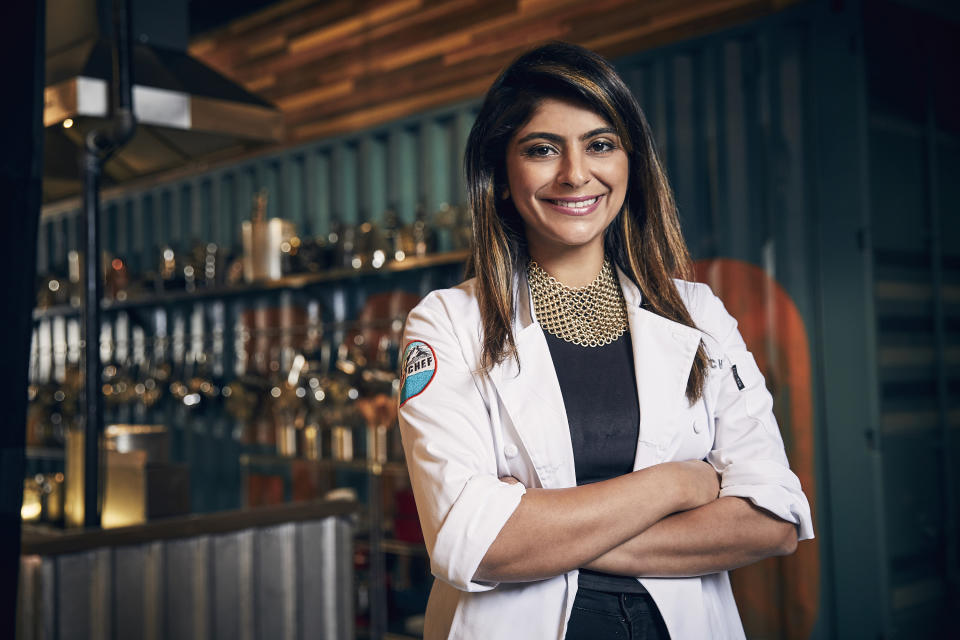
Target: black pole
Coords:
[(99, 145), (122, 74), (93, 293), (22, 44)]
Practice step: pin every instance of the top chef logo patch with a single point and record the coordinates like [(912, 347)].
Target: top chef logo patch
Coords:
[(419, 367)]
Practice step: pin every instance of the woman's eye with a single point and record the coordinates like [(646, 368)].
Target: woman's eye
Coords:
[(540, 151), (601, 146)]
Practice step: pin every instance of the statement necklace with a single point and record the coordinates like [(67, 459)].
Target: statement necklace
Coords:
[(590, 316)]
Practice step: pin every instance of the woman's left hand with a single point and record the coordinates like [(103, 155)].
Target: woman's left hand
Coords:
[(509, 480)]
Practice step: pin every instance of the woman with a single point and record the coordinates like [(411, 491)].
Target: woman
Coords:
[(574, 417)]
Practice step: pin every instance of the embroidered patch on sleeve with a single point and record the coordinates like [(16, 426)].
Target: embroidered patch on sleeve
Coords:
[(419, 367)]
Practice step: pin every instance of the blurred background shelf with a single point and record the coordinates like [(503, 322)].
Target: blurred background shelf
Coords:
[(45, 453), (289, 282), (395, 547)]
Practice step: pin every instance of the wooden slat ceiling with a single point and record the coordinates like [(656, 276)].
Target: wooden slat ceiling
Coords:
[(338, 66)]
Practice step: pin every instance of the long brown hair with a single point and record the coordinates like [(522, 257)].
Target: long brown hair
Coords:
[(645, 239)]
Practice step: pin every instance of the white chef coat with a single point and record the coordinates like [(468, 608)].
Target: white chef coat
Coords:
[(467, 428)]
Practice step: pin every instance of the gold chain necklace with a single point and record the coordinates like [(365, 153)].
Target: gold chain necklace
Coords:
[(590, 316)]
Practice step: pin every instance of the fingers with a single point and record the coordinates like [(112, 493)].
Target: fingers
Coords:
[(509, 480)]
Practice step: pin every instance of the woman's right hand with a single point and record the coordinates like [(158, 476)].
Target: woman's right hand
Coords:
[(697, 480)]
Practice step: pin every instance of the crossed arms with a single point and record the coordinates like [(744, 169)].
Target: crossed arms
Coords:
[(662, 521)]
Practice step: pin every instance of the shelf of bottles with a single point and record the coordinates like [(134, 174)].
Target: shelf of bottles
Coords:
[(271, 369)]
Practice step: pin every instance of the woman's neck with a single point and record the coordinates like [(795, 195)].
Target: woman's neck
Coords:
[(576, 267)]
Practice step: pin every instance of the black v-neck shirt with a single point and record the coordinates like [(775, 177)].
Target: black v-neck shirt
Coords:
[(600, 397)]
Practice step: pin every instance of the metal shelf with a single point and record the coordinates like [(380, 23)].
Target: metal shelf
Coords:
[(396, 547), (363, 634), (58, 310), (388, 468), (45, 453), (291, 282), (402, 548)]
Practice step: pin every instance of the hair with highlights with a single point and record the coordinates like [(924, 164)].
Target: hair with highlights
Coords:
[(644, 240)]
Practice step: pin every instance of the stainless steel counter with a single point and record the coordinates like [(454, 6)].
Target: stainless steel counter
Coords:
[(282, 572)]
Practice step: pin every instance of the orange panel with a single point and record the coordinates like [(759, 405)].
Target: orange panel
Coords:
[(777, 597)]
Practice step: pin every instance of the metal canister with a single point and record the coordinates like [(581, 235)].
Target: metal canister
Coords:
[(377, 443), (151, 438), (263, 243), (342, 443)]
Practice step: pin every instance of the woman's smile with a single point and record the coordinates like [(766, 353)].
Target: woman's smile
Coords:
[(575, 206)]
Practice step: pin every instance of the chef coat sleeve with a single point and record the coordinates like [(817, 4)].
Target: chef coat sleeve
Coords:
[(448, 444), (748, 450)]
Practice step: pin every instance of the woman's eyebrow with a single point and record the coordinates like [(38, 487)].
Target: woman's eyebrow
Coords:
[(597, 132), (552, 137)]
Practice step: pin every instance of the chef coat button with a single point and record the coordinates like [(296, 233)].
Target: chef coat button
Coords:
[(697, 426), (510, 450)]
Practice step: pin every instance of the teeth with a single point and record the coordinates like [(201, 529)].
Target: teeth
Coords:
[(576, 205)]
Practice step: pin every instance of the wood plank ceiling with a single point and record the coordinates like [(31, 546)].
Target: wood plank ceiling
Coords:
[(338, 66)]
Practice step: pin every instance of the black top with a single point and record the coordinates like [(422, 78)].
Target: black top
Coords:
[(600, 395)]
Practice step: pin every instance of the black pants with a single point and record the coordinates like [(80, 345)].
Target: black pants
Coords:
[(598, 615)]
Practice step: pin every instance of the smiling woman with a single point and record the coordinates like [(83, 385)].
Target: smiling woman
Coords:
[(580, 468), (567, 176)]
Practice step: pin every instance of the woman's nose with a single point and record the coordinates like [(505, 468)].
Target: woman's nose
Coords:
[(574, 170)]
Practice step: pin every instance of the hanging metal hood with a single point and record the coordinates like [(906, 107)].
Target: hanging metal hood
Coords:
[(185, 110)]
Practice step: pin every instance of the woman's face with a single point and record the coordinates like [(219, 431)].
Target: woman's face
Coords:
[(567, 174)]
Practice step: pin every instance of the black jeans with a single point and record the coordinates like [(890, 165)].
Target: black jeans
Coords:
[(598, 615)]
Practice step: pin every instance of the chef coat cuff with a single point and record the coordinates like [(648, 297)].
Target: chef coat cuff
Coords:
[(770, 486), (471, 526)]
